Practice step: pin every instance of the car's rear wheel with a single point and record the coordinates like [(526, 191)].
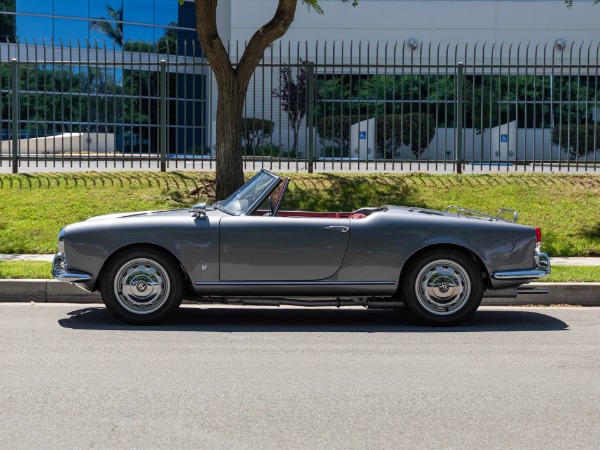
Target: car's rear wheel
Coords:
[(142, 286), (442, 287)]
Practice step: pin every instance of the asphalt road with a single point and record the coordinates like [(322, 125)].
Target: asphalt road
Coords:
[(73, 377)]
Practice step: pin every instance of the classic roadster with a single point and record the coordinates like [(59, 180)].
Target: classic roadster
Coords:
[(246, 250)]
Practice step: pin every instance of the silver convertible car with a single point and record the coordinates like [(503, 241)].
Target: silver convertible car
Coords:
[(246, 250)]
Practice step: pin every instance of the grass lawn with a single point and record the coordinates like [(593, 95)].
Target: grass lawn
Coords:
[(33, 207)]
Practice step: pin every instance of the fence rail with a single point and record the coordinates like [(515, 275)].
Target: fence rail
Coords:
[(323, 106)]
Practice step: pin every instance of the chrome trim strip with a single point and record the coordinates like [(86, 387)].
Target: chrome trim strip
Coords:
[(541, 270), (292, 283), (60, 272), (341, 229), (519, 274)]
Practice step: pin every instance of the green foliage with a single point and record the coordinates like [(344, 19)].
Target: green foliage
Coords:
[(268, 150), (60, 98), (254, 133), (314, 4), (291, 154), (577, 140), (333, 151), (336, 129), (94, 95), (413, 130), (198, 151), (489, 100), (8, 23), (106, 27)]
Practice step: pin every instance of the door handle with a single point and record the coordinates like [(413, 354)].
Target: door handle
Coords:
[(340, 228)]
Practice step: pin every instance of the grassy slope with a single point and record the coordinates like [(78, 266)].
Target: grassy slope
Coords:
[(567, 207)]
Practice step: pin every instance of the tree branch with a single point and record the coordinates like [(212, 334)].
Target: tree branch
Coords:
[(268, 33), (208, 35)]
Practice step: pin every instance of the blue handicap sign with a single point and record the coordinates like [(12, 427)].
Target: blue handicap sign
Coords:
[(504, 138), (362, 135)]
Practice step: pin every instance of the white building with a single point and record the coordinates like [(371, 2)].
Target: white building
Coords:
[(545, 32), (444, 21)]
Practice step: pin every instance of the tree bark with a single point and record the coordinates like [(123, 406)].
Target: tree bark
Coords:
[(232, 84), (230, 106)]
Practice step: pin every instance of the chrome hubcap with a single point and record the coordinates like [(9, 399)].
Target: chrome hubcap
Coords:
[(443, 287), (142, 286)]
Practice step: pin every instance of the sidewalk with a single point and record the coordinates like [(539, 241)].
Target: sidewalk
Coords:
[(52, 291)]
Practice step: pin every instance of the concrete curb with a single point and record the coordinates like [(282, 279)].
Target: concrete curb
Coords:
[(52, 291), (45, 291), (576, 294)]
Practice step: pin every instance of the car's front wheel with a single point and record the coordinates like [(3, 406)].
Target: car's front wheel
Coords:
[(142, 286), (442, 287)]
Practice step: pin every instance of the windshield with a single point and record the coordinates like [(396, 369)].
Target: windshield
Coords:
[(250, 195)]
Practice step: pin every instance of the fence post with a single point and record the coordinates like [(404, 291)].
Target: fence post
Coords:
[(459, 150), (16, 114), (162, 117), (310, 116)]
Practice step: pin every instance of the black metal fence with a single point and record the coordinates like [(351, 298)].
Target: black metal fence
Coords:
[(329, 106)]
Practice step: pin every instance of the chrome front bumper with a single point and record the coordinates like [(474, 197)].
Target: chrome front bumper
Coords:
[(541, 269), (61, 273)]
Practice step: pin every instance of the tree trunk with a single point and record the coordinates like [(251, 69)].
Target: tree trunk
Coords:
[(230, 106), (232, 84)]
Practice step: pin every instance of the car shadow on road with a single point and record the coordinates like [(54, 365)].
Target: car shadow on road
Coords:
[(247, 320)]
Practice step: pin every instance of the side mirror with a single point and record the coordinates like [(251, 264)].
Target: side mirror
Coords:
[(199, 211)]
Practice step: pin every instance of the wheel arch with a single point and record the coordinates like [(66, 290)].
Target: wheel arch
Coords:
[(140, 246), (441, 247)]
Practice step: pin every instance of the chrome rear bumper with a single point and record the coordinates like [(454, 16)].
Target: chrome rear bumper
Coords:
[(542, 269), (61, 272)]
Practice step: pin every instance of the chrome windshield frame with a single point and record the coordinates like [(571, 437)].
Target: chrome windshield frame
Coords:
[(250, 196)]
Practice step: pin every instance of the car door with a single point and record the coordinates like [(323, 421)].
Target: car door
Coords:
[(263, 248)]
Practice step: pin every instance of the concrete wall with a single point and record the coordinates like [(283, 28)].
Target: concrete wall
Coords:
[(64, 143), (530, 145)]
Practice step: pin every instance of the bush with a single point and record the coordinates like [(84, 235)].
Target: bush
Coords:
[(268, 150), (198, 151), (254, 133), (291, 154), (577, 140), (333, 151), (336, 130), (415, 130)]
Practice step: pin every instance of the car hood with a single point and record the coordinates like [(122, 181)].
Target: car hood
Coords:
[(158, 213), (133, 214)]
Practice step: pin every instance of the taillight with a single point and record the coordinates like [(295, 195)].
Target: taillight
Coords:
[(538, 235)]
